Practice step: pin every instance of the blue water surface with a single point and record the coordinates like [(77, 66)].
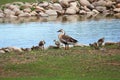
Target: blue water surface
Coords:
[(30, 33)]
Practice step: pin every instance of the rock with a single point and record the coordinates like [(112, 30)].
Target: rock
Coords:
[(71, 11), (43, 14), (86, 9), (95, 11), (12, 16), (56, 6), (2, 51), (65, 3), (11, 7), (60, 12), (28, 10), (73, 4), (33, 13), (86, 3), (117, 15), (16, 9), (14, 49), (109, 4), (24, 15), (99, 3), (44, 4), (117, 10), (2, 15), (27, 5), (51, 12), (90, 14), (17, 13), (118, 5), (82, 12), (101, 9), (118, 1), (40, 9), (9, 12)]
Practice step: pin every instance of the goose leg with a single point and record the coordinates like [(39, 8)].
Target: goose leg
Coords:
[(68, 46), (65, 47)]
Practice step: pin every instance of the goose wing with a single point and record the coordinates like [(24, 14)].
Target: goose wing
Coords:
[(68, 40)]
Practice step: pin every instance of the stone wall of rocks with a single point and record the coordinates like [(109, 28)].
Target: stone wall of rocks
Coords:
[(61, 7)]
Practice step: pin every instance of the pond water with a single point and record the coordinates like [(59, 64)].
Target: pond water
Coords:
[(85, 31)]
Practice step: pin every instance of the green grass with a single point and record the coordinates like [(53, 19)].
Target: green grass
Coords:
[(75, 64)]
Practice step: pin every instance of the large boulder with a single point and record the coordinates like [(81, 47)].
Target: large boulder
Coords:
[(12, 16), (28, 10), (17, 13), (101, 9), (65, 3), (11, 7), (43, 14), (82, 12), (51, 12), (99, 3), (44, 4), (39, 9), (117, 10), (16, 9), (2, 15), (110, 4), (117, 15), (86, 3), (118, 5), (2, 51), (85, 8), (73, 4), (33, 13), (72, 10), (118, 1), (56, 6), (9, 12)]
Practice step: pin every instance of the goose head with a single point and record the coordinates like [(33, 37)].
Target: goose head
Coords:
[(62, 31)]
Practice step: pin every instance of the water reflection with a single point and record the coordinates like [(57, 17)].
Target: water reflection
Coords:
[(33, 30), (65, 18)]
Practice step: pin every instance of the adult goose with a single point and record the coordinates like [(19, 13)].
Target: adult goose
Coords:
[(65, 39)]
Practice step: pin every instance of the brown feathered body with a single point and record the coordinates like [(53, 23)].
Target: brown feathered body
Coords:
[(65, 39)]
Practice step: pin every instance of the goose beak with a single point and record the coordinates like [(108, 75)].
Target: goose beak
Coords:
[(59, 31)]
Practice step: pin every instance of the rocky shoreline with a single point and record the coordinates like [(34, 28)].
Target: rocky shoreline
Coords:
[(61, 7)]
